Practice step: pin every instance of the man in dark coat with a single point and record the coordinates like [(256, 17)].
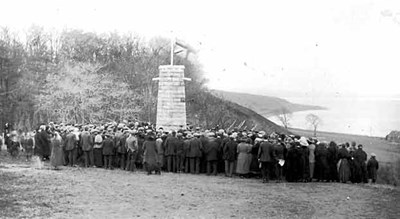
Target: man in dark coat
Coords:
[(108, 150), (71, 147), (86, 142), (186, 149), (321, 162), (230, 155), (332, 161), (280, 157), (131, 145), (211, 150), (360, 157), (372, 168), (180, 156), (194, 154), (43, 143), (171, 144), (266, 156), (119, 139)]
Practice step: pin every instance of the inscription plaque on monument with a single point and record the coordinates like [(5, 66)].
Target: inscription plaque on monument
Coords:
[(171, 105)]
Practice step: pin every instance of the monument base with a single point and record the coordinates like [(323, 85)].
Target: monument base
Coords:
[(171, 105)]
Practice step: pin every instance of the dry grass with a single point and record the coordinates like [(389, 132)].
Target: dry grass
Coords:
[(389, 173), (29, 192)]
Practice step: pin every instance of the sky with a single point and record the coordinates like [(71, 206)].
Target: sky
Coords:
[(305, 47)]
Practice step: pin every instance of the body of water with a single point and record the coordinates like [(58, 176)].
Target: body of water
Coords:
[(363, 116)]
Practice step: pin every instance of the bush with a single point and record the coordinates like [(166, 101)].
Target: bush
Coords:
[(389, 173)]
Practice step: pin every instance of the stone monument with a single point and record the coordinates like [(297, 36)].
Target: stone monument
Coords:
[(171, 105)]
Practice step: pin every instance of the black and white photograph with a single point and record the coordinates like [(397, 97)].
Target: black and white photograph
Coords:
[(199, 109)]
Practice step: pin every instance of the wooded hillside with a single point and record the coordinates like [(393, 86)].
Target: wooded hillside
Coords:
[(83, 77)]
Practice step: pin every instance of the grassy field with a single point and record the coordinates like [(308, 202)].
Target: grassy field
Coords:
[(27, 191)]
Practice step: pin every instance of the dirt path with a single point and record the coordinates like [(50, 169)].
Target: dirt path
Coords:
[(26, 191)]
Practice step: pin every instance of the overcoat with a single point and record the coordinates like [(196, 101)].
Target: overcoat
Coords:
[(372, 168), (108, 146), (244, 158), (211, 150), (70, 141), (86, 141), (150, 153), (230, 150), (195, 148), (266, 152)]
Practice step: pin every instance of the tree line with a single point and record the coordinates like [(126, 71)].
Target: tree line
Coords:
[(74, 76)]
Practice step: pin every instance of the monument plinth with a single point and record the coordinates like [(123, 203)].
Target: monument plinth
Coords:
[(171, 105)]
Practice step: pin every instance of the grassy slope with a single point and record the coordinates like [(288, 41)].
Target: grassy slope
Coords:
[(29, 192), (263, 105)]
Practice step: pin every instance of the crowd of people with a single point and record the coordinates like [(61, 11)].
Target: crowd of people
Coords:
[(133, 146)]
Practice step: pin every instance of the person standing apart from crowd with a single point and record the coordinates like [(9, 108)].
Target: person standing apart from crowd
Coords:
[(372, 168), (15, 145), (57, 153), (28, 143)]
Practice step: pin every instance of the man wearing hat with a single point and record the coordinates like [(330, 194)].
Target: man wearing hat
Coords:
[(186, 148), (171, 144), (372, 168), (180, 156), (267, 157), (71, 147), (120, 147), (131, 145), (108, 150), (194, 153), (211, 149), (230, 154), (86, 142), (360, 158), (97, 148)]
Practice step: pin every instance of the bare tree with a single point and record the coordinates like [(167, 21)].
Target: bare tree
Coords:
[(284, 115), (314, 121)]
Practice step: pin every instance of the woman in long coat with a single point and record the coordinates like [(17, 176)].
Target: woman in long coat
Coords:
[(332, 161), (244, 157), (292, 164), (150, 159), (343, 164), (321, 162), (57, 153)]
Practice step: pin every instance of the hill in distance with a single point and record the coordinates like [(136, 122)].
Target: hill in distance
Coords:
[(227, 114), (263, 105)]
